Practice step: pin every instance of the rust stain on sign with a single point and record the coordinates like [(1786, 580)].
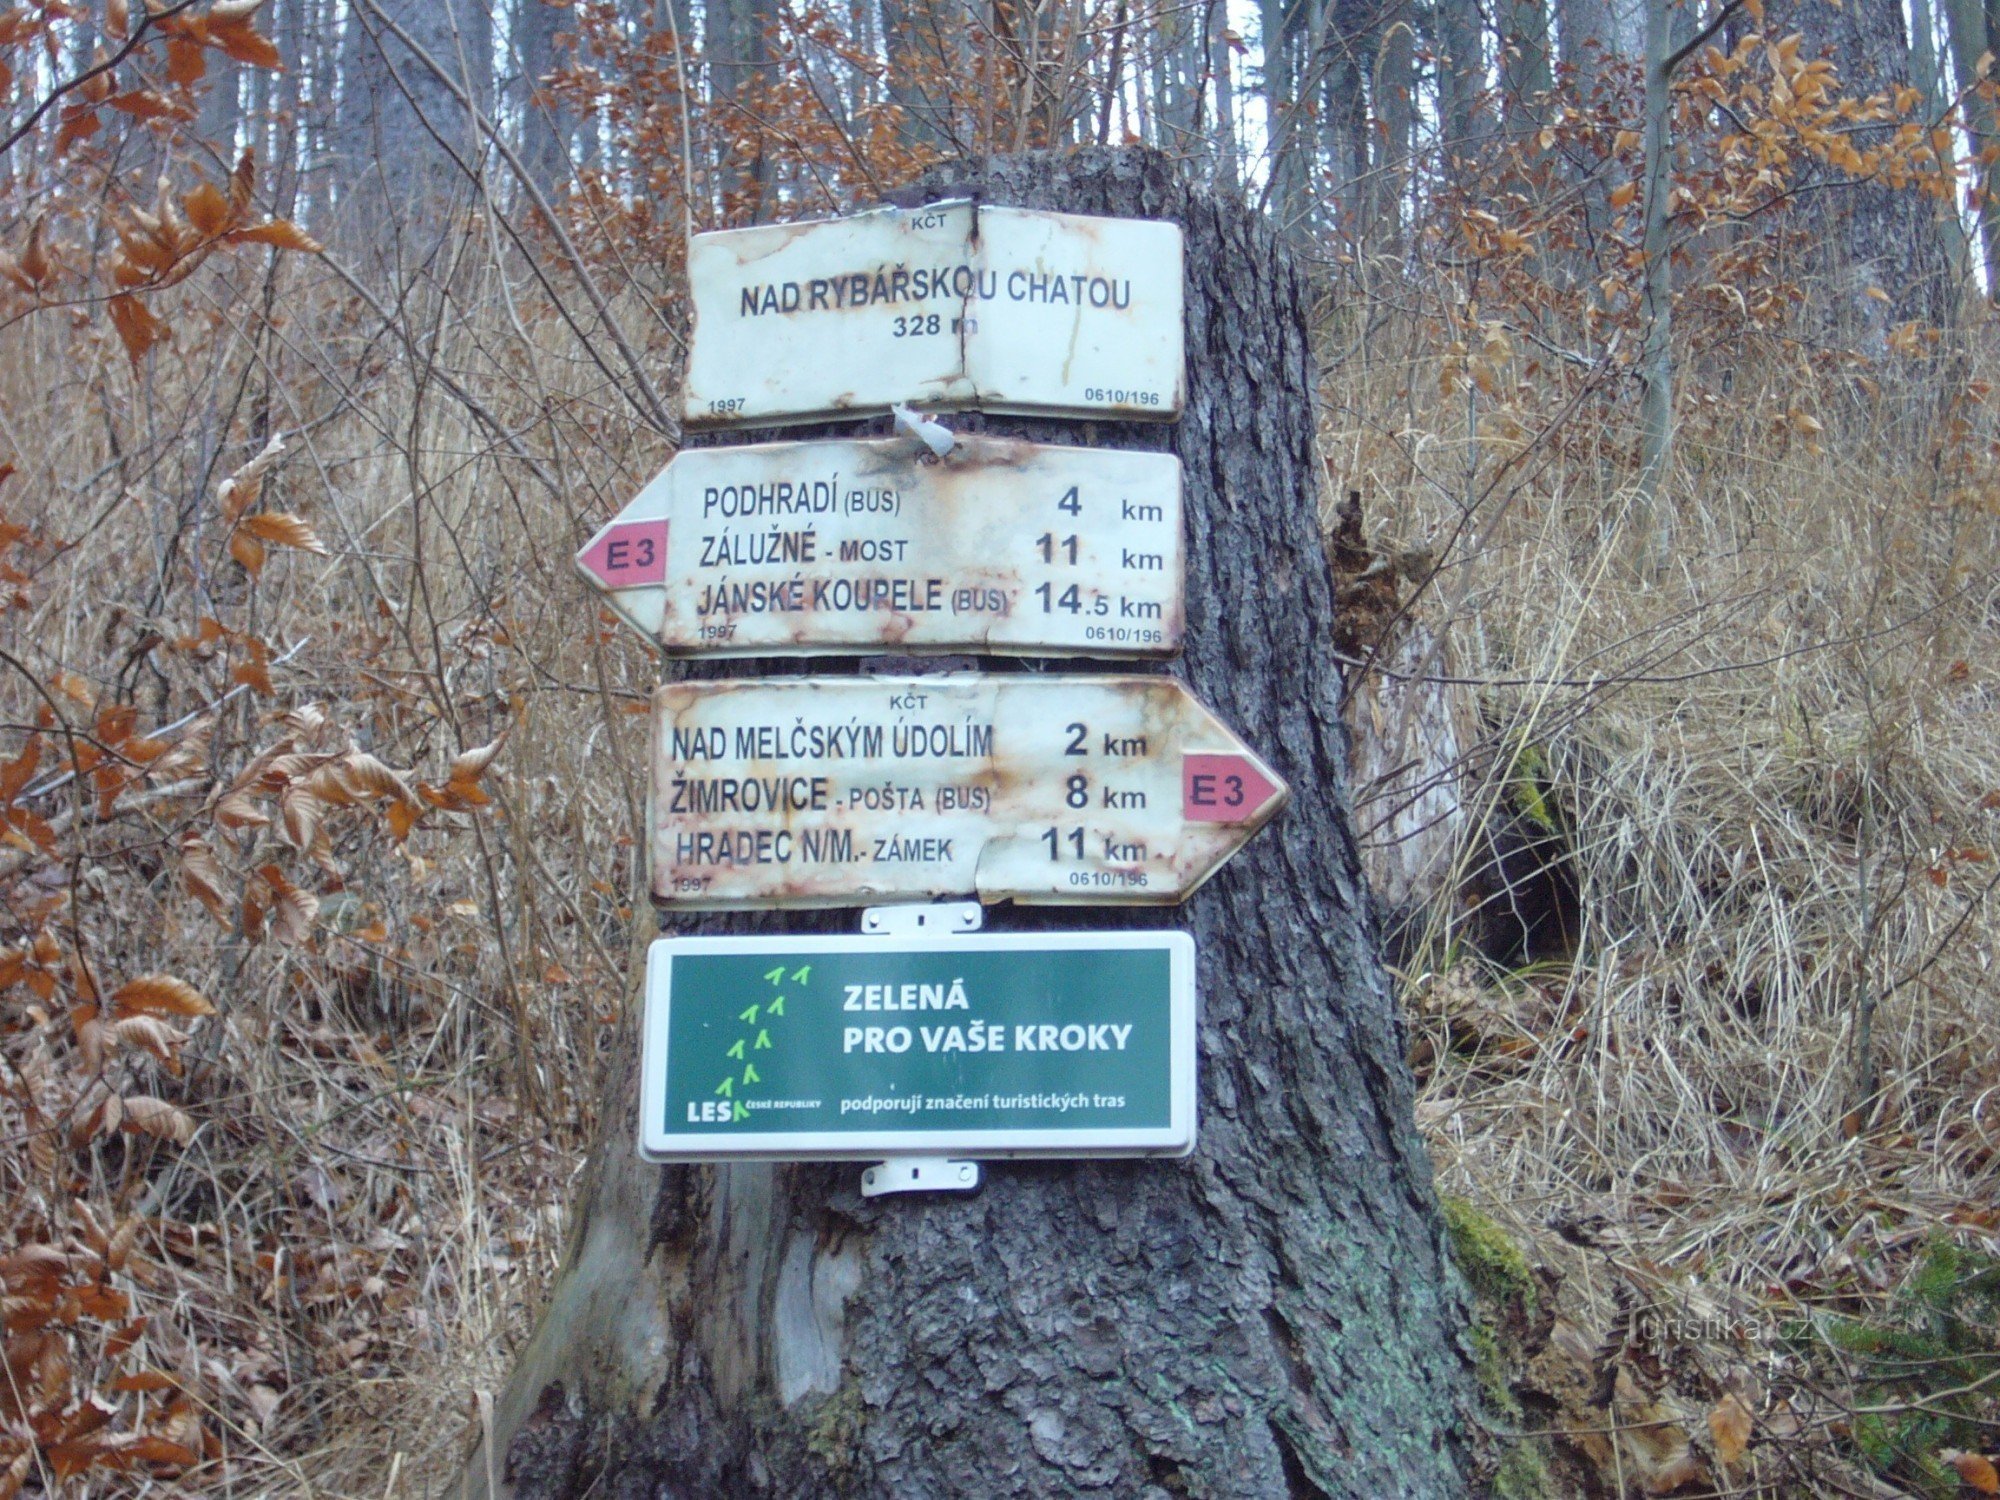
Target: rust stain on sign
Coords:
[(952, 305), (856, 546), (815, 792)]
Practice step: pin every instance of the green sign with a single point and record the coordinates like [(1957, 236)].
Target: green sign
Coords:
[(855, 1047)]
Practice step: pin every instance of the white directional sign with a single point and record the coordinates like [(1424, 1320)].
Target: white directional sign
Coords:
[(952, 305), (858, 790), (808, 548)]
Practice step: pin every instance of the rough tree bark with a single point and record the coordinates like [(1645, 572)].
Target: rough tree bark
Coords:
[(403, 140), (1275, 1315), (1867, 235)]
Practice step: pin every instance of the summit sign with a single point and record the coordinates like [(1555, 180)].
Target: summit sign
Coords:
[(945, 307)]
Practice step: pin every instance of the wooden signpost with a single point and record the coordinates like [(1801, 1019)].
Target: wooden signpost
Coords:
[(795, 549), (856, 791), (852, 791)]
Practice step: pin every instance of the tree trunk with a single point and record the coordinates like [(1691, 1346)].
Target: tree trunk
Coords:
[(545, 125), (1283, 22), (1275, 1315), (1970, 41), (1586, 37), (1526, 67), (404, 140), (1868, 235), (1461, 76), (1652, 518)]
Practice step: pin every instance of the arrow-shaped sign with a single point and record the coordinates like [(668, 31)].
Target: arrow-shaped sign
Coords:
[(866, 546), (627, 555), (853, 791)]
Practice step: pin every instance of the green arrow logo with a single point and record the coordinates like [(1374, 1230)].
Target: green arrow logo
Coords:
[(775, 975), (750, 1075), (749, 1013), (726, 1088), (736, 1051), (740, 1113), (776, 1007), (762, 1043), (799, 976)]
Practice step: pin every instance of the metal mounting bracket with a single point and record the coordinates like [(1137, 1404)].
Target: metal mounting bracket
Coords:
[(919, 1174), (907, 921)]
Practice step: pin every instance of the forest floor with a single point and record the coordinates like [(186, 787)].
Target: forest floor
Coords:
[(1725, 1066)]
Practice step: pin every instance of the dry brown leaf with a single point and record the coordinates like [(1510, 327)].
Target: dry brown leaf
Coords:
[(208, 210), (299, 811), (402, 818), (155, 1037), (137, 328), (16, 773), (247, 550), (150, 1034), (238, 809), (470, 766), (255, 673), (1683, 1469), (149, 104), (282, 529), (186, 61), (246, 45), (146, 1380), (281, 233), (242, 183), (90, 1036), (366, 779), (201, 871), (240, 490), (156, 1117), (1974, 1470), (159, 995), (305, 720), (293, 911), (1730, 1423)]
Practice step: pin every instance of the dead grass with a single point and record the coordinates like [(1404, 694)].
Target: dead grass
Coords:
[(1765, 1069), (389, 1115)]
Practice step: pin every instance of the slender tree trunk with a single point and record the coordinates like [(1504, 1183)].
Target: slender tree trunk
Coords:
[(1653, 519), (1280, 21), (1274, 1316), (1221, 67), (1526, 64), (1394, 96), (545, 126), (1928, 75), (1971, 39), (1585, 37), (1461, 71), (739, 71)]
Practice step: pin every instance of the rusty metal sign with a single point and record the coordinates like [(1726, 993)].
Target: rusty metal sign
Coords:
[(948, 306), (824, 547), (856, 791)]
